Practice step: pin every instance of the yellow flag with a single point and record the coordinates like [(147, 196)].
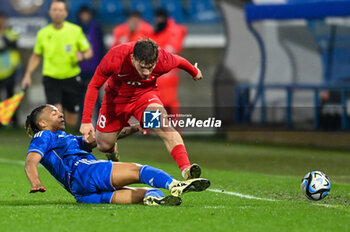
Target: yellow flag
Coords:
[(9, 107)]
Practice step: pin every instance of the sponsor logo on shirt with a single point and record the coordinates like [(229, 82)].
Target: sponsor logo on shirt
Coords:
[(134, 83)]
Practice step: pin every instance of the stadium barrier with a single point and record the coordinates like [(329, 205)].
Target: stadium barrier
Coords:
[(242, 101), (291, 11)]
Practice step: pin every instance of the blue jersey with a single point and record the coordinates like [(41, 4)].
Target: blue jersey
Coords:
[(60, 151)]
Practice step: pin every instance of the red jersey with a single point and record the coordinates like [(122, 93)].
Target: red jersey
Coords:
[(122, 33), (123, 79), (172, 37)]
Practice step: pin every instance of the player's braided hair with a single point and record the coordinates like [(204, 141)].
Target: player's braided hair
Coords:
[(146, 50), (32, 120)]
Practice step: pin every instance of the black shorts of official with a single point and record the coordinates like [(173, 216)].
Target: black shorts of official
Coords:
[(66, 92)]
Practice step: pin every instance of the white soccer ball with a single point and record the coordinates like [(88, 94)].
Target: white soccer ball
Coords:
[(315, 185)]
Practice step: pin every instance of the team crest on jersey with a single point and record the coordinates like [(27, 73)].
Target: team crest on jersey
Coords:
[(68, 48)]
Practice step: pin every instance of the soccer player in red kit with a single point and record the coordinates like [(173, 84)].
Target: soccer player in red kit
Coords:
[(131, 71)]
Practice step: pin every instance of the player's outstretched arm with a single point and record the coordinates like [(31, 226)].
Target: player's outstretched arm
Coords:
[(88, 132), (185, 65), (104, 70), (31, 169)]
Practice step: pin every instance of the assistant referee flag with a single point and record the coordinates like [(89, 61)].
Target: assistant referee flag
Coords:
[(9, 107)]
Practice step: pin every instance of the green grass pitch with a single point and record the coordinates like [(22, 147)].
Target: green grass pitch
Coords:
[(254, 188)]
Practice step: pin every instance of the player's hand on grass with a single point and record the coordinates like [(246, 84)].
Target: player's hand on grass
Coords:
[(199, 74), (26, 81), (88, 131), (39, 188)]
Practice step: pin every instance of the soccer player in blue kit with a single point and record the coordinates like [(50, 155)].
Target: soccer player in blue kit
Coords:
[(68, 159)]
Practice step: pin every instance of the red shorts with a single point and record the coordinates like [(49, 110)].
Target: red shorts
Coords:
[(115, 116)]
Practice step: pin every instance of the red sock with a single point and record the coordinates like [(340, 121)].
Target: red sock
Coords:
[(111, 150), (180, 155)]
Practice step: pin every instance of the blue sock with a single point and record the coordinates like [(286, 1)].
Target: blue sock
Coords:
[(155, 177), (154, 193)]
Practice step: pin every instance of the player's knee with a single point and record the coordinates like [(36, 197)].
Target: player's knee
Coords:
[(104, 146), (136, 169), (155, 106)]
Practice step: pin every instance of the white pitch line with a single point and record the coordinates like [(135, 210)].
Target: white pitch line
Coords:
[(264, 199), (10, 161), (327, 205), (241, 195), (215, 207)]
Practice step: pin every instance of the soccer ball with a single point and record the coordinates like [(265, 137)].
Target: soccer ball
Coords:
[(315, 185)]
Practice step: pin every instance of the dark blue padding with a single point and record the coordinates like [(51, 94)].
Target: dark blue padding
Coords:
[(203, 11), (174, 8), (145, 7), (74, 8), (111, 12), (307, 10)]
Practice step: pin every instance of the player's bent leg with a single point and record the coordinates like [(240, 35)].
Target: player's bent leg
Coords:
[(175, 145), (128, 195), (124, 174), (169, 135), (96, 181), (146, 196), (106, 141), (155, 177)]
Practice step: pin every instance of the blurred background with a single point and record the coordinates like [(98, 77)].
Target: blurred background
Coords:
[(204, 41), (276, 73), (268, 65)]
